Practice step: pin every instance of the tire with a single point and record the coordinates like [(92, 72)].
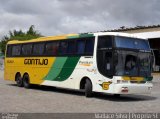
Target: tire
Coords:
[(88, 88), (19, 80), (26, 81)]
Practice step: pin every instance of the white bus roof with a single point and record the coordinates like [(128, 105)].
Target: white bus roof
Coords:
[(118, 34)]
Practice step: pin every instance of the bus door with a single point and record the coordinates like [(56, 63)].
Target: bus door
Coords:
[(105, 63)]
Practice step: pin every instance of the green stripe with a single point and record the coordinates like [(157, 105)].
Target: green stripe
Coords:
[(62, 68), (70, 37), (68, 68), (56, 68), (85, 35)]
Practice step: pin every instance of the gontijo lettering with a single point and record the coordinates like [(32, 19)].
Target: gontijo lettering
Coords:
[(85, 63), (36, 61)]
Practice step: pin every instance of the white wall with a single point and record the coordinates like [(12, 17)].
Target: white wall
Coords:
[(155, 34)]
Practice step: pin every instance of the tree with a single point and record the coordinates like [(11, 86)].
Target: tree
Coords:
[(19, 35), (3, 44)]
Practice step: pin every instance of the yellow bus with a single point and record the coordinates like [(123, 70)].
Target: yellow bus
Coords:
[(115, 63)]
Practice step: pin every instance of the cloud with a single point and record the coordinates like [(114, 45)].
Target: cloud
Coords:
[(53, 17)]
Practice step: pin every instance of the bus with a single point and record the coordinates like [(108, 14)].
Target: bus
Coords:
[(107, 62)]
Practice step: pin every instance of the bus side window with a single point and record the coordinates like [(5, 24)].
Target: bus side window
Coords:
[(38, 49), (80, 47), (89, 46), (27, 49), (9, 51), (16, 50), (52, 48), (63, 48), (104, 42), (71, 47)]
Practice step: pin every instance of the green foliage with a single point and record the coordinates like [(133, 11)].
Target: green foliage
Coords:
[(3, 44), (19, 35)]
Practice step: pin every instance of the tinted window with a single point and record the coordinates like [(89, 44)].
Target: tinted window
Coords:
[(104, 63), (27, 49), (38, 49), (124, 42), (9, 50), (89, 46), (52, 48), (71, 47), (80, 46), (63, 47), (104, 42), (16, 50)]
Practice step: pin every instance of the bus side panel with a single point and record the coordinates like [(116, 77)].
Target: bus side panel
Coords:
[(83, 68), (9, 69), (35, 69), (60, 74)]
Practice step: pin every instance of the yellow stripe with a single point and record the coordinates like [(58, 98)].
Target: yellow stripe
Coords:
[(50, 38), (85, 64), (133, 78)]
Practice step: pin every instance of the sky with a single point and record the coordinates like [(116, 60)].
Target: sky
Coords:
[(55, 17)]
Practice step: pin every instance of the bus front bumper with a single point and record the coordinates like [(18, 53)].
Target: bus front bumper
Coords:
[(133, 88)]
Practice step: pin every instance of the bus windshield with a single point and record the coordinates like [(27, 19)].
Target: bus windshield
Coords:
[(123, 56), (132, 43), (132, 63)]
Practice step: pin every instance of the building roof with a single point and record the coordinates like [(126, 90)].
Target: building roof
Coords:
[(123, 28)]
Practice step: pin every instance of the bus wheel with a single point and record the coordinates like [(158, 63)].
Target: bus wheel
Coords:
[(19, 80), (26, 81), (88, 88)]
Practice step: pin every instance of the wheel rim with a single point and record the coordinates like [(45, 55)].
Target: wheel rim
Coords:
[(26, 81), (18, 80)]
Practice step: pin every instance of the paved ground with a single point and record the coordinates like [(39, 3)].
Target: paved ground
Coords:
[(52, 100)]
